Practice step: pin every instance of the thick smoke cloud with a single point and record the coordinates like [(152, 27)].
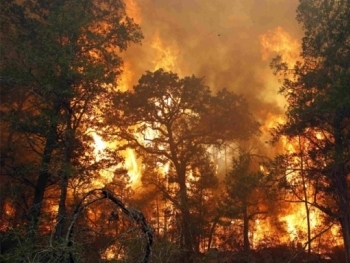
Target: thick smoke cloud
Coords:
[(218, 40)]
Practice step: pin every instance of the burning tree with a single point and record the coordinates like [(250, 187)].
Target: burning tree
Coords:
[(319, 106), (175, 120), (59, 58), (245, 191)]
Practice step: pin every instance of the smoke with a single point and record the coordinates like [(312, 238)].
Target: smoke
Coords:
[(219, 40), (231, 44)]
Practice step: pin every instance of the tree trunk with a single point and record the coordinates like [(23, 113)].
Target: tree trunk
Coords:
[(246, 242), (62, 211), (341, 185), (307, 211), (212, 230), (66, 169), (44, 174), (307, 208), (344, 208), (345, 227), (187, 243)]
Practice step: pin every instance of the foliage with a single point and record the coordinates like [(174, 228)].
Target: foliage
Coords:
[(60, 59), (243, 179), (245, 190), (171, 122), (319, 104)]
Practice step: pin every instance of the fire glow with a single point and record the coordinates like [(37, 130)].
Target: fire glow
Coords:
[(273, 42), (212, 140)]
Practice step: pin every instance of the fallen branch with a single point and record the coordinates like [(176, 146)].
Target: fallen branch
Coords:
[(130, 212)]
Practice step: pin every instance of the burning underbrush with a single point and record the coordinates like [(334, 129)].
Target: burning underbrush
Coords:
[(276, 254)]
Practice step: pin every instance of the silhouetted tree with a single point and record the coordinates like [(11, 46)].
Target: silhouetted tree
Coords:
[(317, 91), (174, 120), (60, 59), (245, 188)]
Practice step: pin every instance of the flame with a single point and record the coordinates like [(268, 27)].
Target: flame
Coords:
[(166, 56), (270, 122), (99, 146), (8, 214), (106, 175), (279, 41), (296, 215), (112, 252), (132, 165), (275, 41), (126, 77), (296, 221)]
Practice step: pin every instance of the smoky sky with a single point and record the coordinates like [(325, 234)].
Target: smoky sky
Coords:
[(217, 40)]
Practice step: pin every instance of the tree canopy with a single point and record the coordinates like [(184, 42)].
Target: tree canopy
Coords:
[(59, 59), (175, 120)]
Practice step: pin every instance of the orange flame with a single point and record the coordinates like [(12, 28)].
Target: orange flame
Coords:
[(133, 166), (280, 42), (166, 56), (126, 77)]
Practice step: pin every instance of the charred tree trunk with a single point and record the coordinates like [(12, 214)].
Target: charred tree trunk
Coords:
[(212, 230), (307, 211), (345, 226), (44, 173), (306, 201), (246, 243), (187, 243), (341, 184), (62, 210), (344, 209)]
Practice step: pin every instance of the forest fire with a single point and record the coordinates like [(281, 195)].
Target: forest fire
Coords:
[(293, 218), (187, 128), (301, 214)]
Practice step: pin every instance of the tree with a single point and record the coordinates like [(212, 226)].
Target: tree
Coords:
[(319, 105), (293, 169), (175, 120), (201, 183), (59, 59), (244, 192)]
